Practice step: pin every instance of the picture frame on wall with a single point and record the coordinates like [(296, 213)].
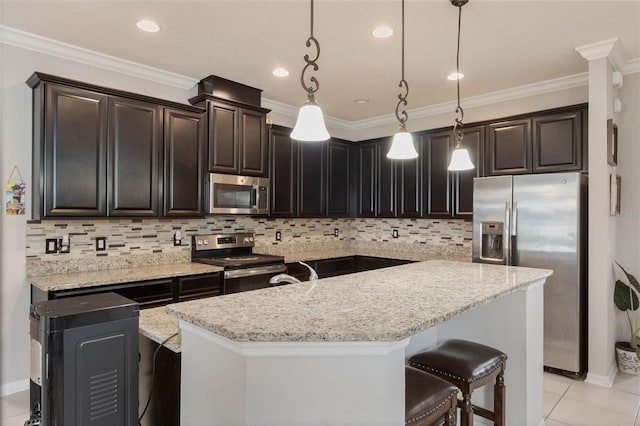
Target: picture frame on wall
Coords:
[(612, 142), (614, 208)]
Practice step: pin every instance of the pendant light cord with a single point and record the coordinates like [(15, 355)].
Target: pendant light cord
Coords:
[(457, 128), (403, 84), (311, 62)]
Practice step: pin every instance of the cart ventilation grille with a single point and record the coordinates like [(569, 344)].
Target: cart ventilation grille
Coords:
[(103, 398)]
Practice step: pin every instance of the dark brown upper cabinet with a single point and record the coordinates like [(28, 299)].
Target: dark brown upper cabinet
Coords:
[(238, 140), (437, 179), (473, 141), (367, 177), (387, 180), (509, 150), (312, 178), (338, 176), (69, 152), (98, 152), (184, 139), (134, 157), (409, 184), (284, 170), (557, 142)]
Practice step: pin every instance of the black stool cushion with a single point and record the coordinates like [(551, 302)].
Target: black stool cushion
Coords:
[(424, 394), (460, 359)]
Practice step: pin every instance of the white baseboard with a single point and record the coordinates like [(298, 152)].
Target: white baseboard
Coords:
[(13, 387), (602, 380)]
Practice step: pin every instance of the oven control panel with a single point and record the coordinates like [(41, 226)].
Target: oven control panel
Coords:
[(222, 241)]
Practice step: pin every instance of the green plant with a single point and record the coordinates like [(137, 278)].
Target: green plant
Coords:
[(625, 297)]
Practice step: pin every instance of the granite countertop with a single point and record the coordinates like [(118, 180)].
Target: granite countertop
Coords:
[(157, 325), (75, 280), (381, 305)]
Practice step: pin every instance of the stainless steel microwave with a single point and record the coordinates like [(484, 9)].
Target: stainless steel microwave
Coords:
[(232, 194)]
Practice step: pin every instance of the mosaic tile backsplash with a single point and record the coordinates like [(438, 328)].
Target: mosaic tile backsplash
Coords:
[(139, 242)]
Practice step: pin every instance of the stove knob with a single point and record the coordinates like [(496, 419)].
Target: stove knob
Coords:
[(246, 239), (251, 239), (205, 242)]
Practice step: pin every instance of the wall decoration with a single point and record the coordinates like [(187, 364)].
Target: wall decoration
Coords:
[(15, 190), (614, 208), (612, 143)]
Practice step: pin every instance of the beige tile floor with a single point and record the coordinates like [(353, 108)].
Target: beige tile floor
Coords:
[(566, 402)]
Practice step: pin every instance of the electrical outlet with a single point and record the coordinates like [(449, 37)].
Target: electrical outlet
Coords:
[(51, 245), (101, 243), (278, 236), (394, 233), (336, 232), (177, 238)]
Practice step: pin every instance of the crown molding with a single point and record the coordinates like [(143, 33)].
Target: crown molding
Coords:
[(610, 49), (14, 37), (562, 83), (632, 66), (292, 112)]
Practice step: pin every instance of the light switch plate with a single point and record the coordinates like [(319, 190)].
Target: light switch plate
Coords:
[(51, 245), (101, 243)]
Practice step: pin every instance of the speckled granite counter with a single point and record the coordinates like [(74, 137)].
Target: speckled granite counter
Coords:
[(366, 306), (74, 280), (157, 325)]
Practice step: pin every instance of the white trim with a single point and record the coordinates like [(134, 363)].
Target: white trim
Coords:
[(597, 50), (14, 387), (297, 349), (632, 66), (292, 112), (14, 37), (602, 380)]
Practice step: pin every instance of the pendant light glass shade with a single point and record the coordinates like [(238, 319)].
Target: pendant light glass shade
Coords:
[(402, 147), (310, 125), (460, 160)]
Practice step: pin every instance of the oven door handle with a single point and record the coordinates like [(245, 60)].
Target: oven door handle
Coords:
[(260, 270)]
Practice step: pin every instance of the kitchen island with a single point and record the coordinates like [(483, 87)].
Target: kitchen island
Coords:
[(333, 351)]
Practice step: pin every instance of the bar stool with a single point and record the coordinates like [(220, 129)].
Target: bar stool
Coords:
[(468, 366), (428, 399)]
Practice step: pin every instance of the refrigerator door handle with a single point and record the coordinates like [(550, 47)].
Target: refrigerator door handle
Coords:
[(514, 215), (506, 236)]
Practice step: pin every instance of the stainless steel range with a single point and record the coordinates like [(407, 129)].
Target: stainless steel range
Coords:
[(243, 269)]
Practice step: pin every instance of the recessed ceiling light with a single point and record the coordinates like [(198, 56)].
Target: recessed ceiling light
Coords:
[(148, 26), (455, 76), (280, 72), (361, 101), (382, 31)]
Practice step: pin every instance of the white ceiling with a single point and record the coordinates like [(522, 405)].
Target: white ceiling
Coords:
[(504, 43)]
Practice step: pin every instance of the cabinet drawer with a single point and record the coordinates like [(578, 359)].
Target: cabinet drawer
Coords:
[(146, 293), (199, 286)]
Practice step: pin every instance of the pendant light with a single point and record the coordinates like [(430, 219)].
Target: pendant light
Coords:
[(460, 159), (402, 147), (310, 125)]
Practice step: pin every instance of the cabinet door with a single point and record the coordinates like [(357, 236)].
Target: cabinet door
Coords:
[(367, 175), (75, 149), (463, 181), (253, 144), (183, 178), (437, 192), (409, 185), (223, 138), (338, 179), (199, 286), (134, 157), (386, 193), (284, 169), (557, 142), (509, 148), (312, 179)]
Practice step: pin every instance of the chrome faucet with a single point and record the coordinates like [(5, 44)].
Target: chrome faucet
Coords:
[(280, 278)]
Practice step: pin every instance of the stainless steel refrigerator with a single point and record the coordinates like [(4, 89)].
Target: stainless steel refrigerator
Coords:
[(540, 221)]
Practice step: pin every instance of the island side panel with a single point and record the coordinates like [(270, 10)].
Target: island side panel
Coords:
[(287, 383), (512, 324)]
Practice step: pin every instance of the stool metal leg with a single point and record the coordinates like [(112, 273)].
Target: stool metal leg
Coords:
[(499, 399)]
